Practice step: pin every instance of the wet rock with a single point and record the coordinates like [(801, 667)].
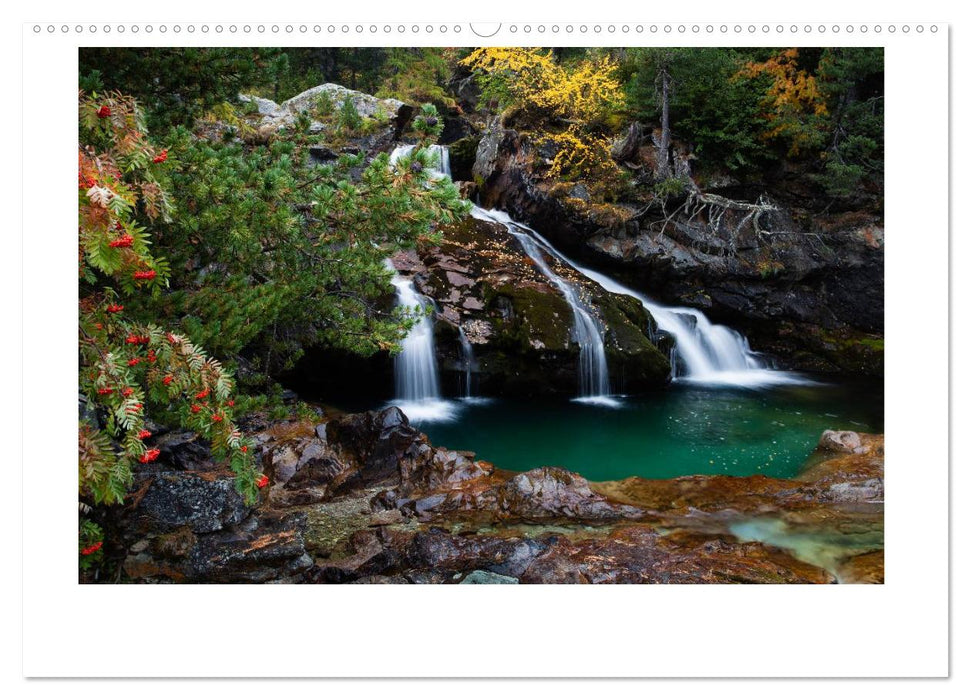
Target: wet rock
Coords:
[(184, 450), (552, 491), (640, 555), (863, 568), (478, 576), (378, 443), (369, 557), (841, 441), (447, 553)]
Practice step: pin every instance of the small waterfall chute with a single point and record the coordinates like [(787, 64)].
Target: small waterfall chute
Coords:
[(417, 390), (441, 164), (469, 368)]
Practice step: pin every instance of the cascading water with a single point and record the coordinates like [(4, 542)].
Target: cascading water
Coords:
[(704, 352), (415, 367), (594, 377), (709, 354), (468, 363), (441, 165)]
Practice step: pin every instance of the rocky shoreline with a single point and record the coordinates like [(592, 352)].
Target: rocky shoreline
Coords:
[(365, 498)]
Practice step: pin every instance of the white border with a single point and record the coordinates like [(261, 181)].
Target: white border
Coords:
[(898, 629)]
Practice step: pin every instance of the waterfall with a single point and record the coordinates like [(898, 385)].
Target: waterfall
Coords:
[(441, 167), (468, 362), (707, 353), (594, 378), (415, 367), (704, 352)]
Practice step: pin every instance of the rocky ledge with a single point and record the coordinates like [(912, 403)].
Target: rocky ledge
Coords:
[(365, 498), (518, 326)]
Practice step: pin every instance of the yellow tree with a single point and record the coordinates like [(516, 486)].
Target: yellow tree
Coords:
[(793, 103)]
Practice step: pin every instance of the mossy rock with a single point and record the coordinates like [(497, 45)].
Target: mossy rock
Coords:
[(635, 363), (530, 319)]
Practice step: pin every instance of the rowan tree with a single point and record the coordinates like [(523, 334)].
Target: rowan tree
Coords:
[(130, 366)]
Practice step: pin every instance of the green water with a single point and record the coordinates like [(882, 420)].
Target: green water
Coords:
[(683, 430)]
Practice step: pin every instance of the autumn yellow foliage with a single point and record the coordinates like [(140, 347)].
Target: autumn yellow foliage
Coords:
[(531, 79), (571, 99), (581, 155), (792, 100)]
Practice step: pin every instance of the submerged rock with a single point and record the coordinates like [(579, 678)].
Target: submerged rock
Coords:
[(478, 576)]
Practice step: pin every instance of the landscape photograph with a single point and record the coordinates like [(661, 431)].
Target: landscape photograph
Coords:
[(481, 315)]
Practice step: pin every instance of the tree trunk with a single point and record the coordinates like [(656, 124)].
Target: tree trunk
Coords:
[(664, 143)]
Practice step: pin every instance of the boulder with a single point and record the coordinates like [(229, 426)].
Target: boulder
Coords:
[(202, 501), (841, 441), (366, 105), (555, 492)]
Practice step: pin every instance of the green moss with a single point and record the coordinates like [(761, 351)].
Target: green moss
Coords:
[(537, 316), (630, 352)]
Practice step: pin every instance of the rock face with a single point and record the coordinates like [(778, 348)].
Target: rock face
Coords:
[(802, 286), (517, 323), (365, 498)]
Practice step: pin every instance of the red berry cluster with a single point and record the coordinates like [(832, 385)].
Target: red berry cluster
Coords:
[(105, 111), (152, 357), (127, 391), (122, 242), (195, 408), (137, 339), (115, 308), (262, 481), (160, 158), (145, 275), (217, 418), (202, 394), (134, 361), (92, 549), (167, 380), (105, 391), (142, 434), (149, 456)]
